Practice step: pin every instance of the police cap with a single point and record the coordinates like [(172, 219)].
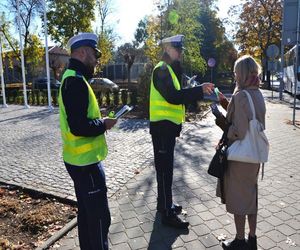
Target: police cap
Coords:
[(83, 39), (175, 41)]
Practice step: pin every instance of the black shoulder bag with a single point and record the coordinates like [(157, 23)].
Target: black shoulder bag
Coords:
[(218, 164)]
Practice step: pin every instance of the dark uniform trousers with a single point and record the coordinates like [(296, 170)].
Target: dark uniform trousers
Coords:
[(93, 212), (163, 159)]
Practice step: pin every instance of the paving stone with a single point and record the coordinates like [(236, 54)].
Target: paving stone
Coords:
[(116, 228), (134, 232), (195, 220), (213, 224), (118, 238), (200, 208), (265, 226), (195, 244), (294, 224), (274, 221), (189, 237), (276, 236), (217, 211), (286, 230), (266, 243), (206, 216), (283, 216), (126, 207), (209, 240), (225, 219), (147, 227), (128, 214), (138, 243), (122, 246), (133, 222), (201, 230)]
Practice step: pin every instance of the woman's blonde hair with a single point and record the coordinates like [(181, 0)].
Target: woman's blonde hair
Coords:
[(247, 72)]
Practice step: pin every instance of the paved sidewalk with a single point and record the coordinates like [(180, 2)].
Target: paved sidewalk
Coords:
[(136, 225), (30, 151), (30, 157)]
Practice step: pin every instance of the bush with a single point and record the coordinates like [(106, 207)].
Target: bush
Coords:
[(144, 89), (124, 96)]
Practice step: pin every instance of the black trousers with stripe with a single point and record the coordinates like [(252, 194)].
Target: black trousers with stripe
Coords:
[(163, 159), (93, 212)]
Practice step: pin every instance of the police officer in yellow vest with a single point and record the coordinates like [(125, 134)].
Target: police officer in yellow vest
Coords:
[(167, 112), (84, 145)]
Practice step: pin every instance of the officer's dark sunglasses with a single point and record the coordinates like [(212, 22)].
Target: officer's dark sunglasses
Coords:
[(98, 53)]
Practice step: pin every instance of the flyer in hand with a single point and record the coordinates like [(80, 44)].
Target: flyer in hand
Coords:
[(123, 111)]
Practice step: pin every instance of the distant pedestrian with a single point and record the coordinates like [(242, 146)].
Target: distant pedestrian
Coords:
[(84, 145), (240, 180), (167, 113)]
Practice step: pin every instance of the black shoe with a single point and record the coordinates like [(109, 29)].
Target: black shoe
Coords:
[(174, 221), (236, 244), (175, 207), (252, 242)]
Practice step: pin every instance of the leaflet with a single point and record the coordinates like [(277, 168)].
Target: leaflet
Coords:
[(125, 109)]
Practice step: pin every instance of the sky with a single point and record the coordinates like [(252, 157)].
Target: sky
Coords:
[(127, 14)]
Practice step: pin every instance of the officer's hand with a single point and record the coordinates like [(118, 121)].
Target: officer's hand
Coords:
[(207, 87), (109, 123)]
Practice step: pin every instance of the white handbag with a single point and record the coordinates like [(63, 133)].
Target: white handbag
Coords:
[(254, 148)]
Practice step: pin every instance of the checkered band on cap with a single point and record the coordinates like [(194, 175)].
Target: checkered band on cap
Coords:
[(83, 39)]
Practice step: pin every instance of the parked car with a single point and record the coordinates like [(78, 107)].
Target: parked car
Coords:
[(41, 83), (103, 84)]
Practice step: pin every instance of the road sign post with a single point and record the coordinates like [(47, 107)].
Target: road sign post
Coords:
[(211, 63), (272, 53)]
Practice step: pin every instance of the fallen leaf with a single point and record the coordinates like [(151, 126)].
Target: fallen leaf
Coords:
[(221, 237), (290, 242)]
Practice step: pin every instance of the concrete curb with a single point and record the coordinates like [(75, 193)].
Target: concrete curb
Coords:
[(62, 232), (30, 190)]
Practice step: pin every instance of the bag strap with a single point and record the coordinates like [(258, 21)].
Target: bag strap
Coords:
[(262, 171), (251, 104), (224, 138)]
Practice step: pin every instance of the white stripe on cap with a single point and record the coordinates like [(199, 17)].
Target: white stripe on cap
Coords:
[(81, 38), (176, 41)]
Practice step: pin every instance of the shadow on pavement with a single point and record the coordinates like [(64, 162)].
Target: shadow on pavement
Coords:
[(36, 115), (163, 237), (133, 125)]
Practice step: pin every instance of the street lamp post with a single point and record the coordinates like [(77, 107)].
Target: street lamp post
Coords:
[(160, 8), (47, 58), (22, 57), (297, 63), (2, 77)]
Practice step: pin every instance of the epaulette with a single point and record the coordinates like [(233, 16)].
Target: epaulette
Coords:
[(79, 75)]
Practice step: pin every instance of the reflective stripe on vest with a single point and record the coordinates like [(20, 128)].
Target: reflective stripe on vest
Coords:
[(160, 109), (80, 150)]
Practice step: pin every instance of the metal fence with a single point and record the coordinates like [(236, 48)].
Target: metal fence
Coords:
[(119, 71)]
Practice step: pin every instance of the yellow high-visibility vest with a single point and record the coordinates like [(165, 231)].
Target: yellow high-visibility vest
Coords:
[(160, 109), (80, 150)]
